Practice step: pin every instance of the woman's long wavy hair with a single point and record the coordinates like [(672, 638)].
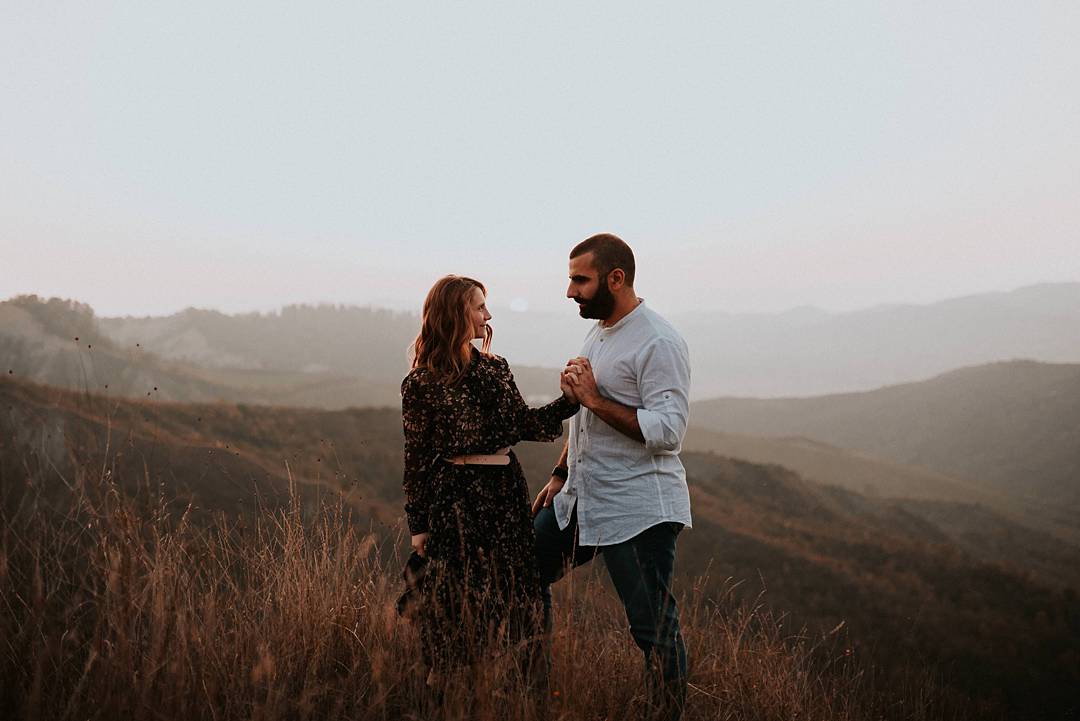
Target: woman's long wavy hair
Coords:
[(444, 344)]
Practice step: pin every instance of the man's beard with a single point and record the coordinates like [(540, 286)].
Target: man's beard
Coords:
[(601, 305)]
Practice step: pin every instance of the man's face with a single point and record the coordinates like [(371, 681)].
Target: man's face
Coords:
[(589, 289)]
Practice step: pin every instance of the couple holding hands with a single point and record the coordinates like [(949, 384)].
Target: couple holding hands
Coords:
[(618, 489)]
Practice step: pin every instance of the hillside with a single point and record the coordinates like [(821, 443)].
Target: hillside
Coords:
[(879, 478), (855, 471), (899, 578), (299, 338), (332, 345), (294, 619), (352, 359), (60, 343), (1014, 426)]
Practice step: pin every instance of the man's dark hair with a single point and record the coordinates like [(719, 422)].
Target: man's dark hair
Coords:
[(609, 252)]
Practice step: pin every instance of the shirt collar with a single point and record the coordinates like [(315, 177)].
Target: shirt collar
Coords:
[(622, 321)]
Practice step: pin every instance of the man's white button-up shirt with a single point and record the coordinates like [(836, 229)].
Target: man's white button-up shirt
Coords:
[(621, 486)]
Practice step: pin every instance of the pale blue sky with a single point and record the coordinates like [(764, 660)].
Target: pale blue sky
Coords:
[(757, 156)]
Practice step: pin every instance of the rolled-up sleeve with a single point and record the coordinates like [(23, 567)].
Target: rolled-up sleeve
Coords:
[(664, 383)]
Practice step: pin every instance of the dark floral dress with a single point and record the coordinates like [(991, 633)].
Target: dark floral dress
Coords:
[(482, 584)]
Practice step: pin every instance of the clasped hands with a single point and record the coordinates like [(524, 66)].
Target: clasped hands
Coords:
[(578, 383), (579, 386)]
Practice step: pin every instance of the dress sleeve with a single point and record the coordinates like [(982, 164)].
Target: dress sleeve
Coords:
[(416, 421), (537, 424)]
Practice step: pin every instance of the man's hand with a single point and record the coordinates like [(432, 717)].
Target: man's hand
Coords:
[(582, 381), (543, 498), (622, 418), (419, 543)]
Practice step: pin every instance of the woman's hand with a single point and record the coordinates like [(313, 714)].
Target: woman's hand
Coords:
[(419, 543), (567, 387)]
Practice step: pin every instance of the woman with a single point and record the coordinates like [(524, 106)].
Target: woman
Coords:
[(465, 494)]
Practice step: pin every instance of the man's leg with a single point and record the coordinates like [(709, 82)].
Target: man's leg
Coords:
[(642, 570), (555, 549)]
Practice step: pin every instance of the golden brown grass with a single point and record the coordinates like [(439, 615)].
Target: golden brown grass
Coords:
[(116, 607)]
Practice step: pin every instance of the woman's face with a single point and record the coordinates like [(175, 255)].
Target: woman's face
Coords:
[(478, 313)]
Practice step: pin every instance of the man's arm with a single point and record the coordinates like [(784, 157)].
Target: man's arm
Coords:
[(622, 418), (565, 455), (664, 384), (554, 484)]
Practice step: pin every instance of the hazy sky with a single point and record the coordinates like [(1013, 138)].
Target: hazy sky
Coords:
[(757, 156)]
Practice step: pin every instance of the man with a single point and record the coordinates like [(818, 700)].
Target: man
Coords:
[(619, 488)]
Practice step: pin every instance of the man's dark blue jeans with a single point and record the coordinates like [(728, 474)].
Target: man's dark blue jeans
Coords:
[(641, 570)]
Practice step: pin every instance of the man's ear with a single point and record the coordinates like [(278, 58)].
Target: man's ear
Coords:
[(616, 279)]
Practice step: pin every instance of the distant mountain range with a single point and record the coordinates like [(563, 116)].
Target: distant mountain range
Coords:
[(914, 581), (322, 357), (333, 356), (807, 351), (1014, 427)]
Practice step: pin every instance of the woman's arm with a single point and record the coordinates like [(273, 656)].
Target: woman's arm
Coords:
[(538, 424), (416, 414)]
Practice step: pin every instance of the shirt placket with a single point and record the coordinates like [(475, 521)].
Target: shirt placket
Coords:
[(595, 353)]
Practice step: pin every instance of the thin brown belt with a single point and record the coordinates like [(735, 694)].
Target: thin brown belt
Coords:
[(500, 457)]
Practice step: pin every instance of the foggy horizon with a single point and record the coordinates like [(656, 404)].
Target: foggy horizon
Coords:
[(510, 307), (757, 159)]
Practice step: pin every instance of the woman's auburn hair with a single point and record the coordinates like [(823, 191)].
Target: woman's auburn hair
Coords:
[(444, 344)]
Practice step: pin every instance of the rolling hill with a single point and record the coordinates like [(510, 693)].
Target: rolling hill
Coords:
[(357, 358), (913, 581), (1014, 426), (879, 478)]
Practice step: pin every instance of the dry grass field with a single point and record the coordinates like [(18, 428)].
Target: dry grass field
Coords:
[(112, 606)]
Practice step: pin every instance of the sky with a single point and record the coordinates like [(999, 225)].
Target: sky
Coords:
[(757, 156)]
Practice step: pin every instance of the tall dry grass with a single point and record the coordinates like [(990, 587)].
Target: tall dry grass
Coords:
[(114, 606)]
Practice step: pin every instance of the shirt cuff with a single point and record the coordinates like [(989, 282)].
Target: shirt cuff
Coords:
[(652, 428)]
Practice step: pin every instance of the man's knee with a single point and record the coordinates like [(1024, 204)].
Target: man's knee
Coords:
[(548, 546), (654, 626)]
